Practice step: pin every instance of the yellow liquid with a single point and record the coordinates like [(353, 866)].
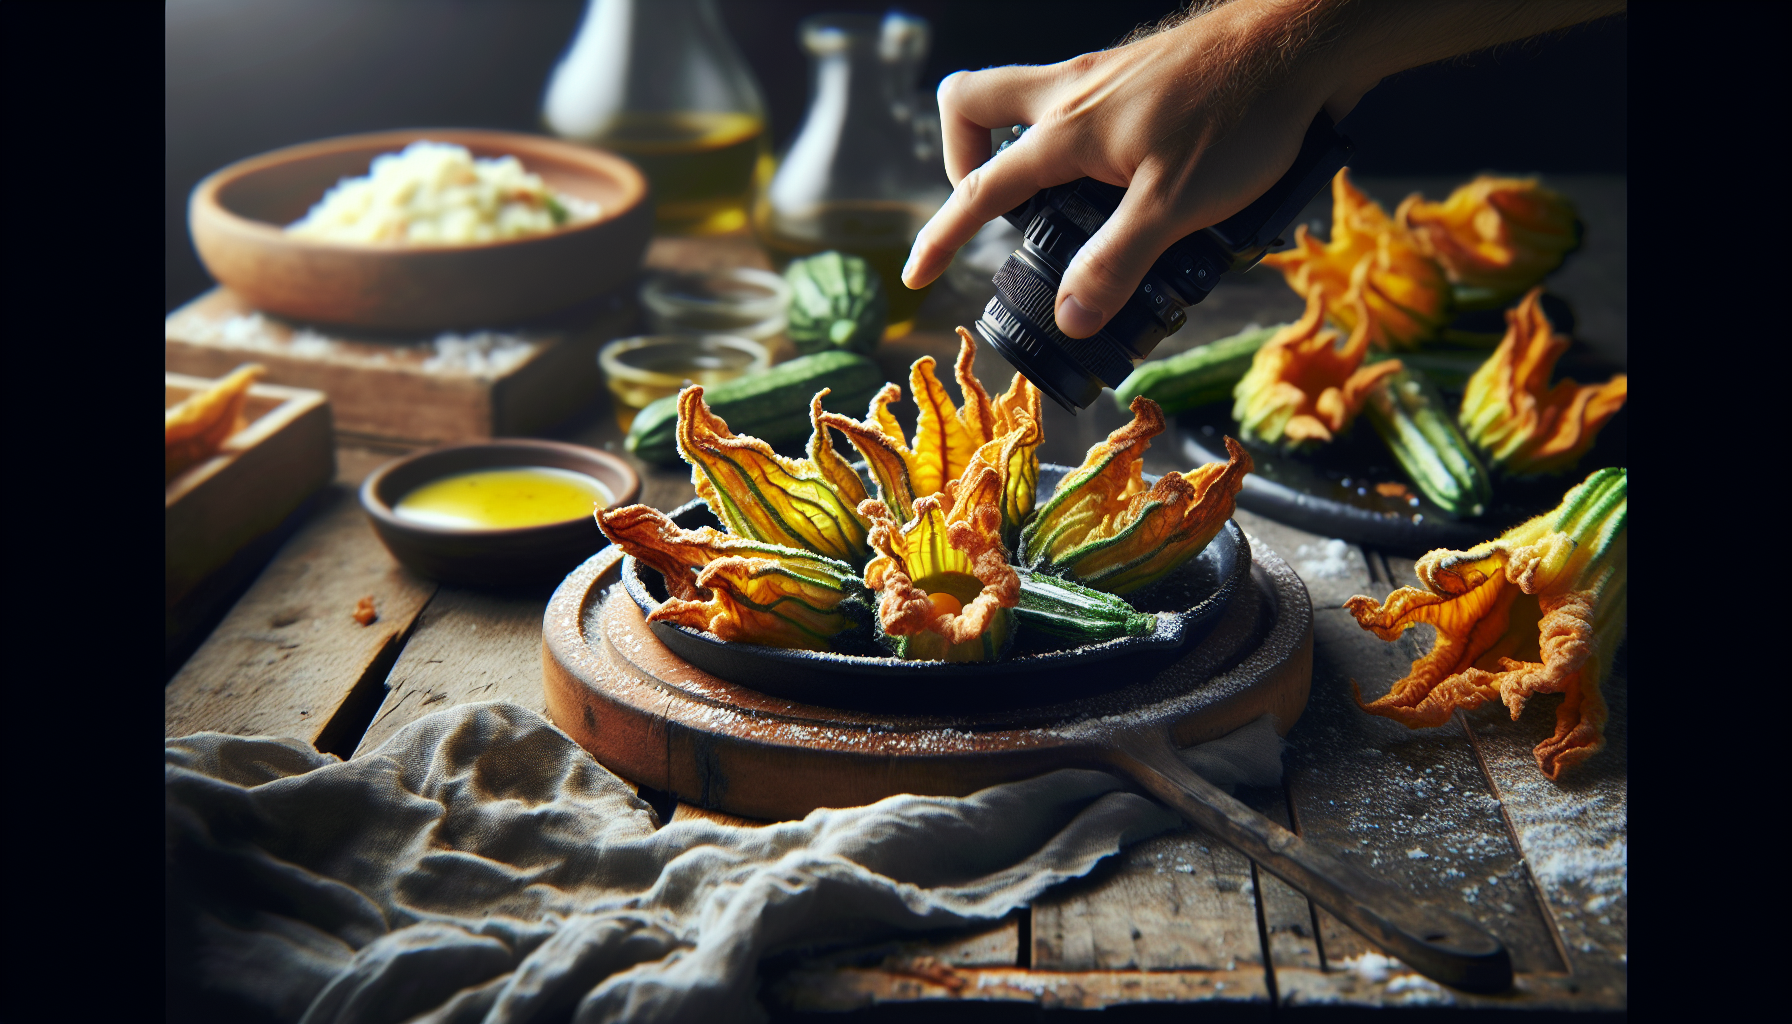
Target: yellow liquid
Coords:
[(669, 376), (700, 165), (880, 233), (504, 498)]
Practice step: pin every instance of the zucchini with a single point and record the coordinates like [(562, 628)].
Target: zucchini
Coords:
[(1410, 416), (1078, 614), (836, 301), (1206, 373), (772, 406)]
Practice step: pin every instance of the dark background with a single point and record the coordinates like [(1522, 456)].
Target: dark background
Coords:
[(245, 76)]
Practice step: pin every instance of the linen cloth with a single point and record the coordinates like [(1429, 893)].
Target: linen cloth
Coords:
[(481, 866)]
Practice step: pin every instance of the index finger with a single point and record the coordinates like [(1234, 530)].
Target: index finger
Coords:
[(973, 102), (982, 195)]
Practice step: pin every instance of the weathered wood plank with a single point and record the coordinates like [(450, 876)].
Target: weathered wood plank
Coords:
[(289, 660), (1414, 806), (834, 990), (1574, 834), (1175, 902), (468, 646), (1288, 924)]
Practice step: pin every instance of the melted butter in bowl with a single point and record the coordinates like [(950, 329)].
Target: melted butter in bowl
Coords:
[(506, 498)]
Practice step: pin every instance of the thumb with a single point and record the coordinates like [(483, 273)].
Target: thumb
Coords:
[(1108, 268)]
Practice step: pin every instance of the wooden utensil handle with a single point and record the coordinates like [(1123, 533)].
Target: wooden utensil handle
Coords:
[(1437, 944)]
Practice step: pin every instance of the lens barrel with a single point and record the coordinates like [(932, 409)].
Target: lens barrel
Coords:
[(1020, 320)]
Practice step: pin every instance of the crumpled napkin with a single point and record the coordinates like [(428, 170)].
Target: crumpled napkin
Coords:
[(481, 866)]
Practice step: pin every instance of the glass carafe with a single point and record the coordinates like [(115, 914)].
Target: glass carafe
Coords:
[(659, 82), (854, 178)]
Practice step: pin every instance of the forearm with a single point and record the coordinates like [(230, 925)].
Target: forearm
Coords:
[(1342, 48)]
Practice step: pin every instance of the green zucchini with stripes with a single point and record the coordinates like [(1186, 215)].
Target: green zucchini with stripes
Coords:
[(1203, 375), (772, 406), (1070, 612), (836, 301), (1409, 414)]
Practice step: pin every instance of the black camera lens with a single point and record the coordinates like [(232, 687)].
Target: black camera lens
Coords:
[(1020, 321)]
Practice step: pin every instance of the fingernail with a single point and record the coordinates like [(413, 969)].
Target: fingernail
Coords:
[(908, 269), (1076, 319)]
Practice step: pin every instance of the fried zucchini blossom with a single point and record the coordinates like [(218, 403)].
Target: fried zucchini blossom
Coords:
[(805, 504), (1510, 411), (1539, 610), (194, 430), (946, 588), (948, 437), (1301, 387), (741, 590), (1405, 295), (1104, 529), (1494, 237)]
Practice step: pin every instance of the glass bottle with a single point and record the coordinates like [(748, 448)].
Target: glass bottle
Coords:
[(854, 178), (659, 82)]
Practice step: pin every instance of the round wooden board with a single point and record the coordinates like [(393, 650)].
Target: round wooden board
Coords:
[(658, 721)]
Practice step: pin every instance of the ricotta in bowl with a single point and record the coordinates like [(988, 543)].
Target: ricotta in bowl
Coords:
[(435, 193)]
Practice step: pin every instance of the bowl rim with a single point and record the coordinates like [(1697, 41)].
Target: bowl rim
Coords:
[(382, 513), (205, 194), (606, 361), (657, 302)]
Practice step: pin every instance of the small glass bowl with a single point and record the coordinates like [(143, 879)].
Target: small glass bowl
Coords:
[(639, 370), (740, 301)]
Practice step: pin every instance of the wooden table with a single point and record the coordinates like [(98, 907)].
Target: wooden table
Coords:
[(1459, 814)]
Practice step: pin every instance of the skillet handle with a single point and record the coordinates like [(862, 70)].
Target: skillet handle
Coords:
[(1437, 944)]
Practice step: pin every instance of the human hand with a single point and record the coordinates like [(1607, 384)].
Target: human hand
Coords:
[(1195, 121)]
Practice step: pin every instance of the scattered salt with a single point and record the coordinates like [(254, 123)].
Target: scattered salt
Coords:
[(485, 354), (1417, 854), (1330, 560), (1371, 967)]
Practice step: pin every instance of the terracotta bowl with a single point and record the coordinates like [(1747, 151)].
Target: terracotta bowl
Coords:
[(492, 557), (237, 215)]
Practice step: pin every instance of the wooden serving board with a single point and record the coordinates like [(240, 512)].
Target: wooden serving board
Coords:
[(222, 517), (660, 722), (411, 391)]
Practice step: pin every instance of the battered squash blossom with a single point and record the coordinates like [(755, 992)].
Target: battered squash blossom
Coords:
[(946, 588), (1301, 387), (1102, 528), (1540, 610), (739, 589), (797, 503), (1405, 297), (948, 437), (1511, 412), (1494, 237)]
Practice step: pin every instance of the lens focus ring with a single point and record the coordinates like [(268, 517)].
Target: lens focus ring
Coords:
[(1032, 297)]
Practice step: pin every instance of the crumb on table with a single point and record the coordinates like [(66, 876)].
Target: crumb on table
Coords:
[(364, 611)]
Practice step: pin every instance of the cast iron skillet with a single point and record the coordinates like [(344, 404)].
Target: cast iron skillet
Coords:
[(1189, 603)]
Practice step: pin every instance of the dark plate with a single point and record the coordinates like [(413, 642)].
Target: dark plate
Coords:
[(1332, 490), (1190, 602)]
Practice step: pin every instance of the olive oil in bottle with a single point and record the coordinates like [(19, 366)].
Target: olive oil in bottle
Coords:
[(659, 82), (857, 177), (700, 165)]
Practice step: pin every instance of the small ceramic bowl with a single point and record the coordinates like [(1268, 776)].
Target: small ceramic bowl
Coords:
[(238, 215), (639, 370), (492, 557), (742, 301)]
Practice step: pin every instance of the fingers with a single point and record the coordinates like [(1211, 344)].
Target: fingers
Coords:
[(984, 194), (973, 102), (1107, 269)]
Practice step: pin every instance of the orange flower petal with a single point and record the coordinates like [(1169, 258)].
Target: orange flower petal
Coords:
[(1511, 412)]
